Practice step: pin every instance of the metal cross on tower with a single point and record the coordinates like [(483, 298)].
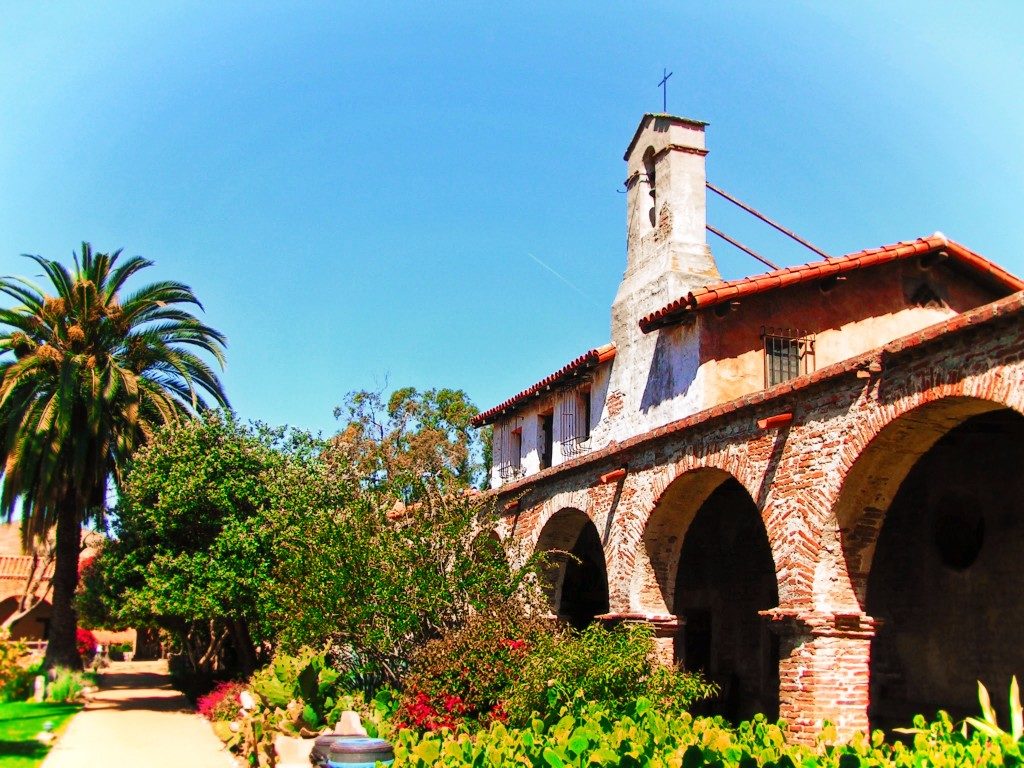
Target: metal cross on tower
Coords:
[(664, 88)]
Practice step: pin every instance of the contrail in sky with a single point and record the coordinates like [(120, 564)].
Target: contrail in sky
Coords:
[(565, 280)]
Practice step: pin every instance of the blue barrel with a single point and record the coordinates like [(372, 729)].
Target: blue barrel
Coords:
[(359, 752)]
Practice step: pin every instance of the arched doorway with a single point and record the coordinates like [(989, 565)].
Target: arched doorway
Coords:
[(726, 575), (576, 579), (940, 567)]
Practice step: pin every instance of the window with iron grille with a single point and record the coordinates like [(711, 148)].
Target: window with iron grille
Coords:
[(576, 416), (788, 353), (511, 465)]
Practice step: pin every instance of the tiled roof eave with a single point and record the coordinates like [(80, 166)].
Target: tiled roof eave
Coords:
[(585, 362), (732, 290)]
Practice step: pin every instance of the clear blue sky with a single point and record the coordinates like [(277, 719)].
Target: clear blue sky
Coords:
[(357, 191)]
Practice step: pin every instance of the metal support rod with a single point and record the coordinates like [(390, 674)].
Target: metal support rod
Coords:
[(766, 220), (742, 247)]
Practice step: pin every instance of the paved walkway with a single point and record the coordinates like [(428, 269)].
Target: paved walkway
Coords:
[(137, 719)]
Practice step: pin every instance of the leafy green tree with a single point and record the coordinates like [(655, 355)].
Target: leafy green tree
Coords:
[(411, 441), (244, 539), (87, 375), (194, 546), (409, 555)]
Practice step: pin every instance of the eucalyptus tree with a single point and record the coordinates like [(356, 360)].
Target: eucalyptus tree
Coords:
[(88, 371)]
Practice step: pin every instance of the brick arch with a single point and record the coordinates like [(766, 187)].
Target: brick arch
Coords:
[(874, 461), (14, 597), (559, 535), (5, 596), (661, 519), (652, 587)]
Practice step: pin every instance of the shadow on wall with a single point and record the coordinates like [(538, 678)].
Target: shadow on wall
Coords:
[(673, 366)]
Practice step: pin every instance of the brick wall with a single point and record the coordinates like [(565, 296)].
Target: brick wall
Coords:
[(821, 484)]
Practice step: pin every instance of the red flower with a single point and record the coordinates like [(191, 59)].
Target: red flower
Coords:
[(85, 641), (515, 646), (222, 703)]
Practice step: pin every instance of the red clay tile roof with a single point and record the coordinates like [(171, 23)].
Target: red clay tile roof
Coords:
[(732, 290), (584, 362)]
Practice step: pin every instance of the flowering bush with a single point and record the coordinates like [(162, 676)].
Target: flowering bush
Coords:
[(11, 654), (85, 641), (464, 676), (223, 702), (420, 712)]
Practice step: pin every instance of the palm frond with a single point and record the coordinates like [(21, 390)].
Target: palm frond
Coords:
[(120, 274), (57, 272)]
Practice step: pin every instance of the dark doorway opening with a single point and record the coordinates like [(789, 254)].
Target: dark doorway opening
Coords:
[(585, 586), (726, 576), (946, 580)]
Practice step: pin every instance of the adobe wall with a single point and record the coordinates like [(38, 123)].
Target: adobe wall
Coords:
[(865, 310), (821, 484)]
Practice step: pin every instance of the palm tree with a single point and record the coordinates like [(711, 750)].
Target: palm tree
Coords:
[(91, 375)]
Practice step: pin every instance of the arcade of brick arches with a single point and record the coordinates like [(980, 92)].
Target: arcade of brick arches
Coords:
[(842, 546)]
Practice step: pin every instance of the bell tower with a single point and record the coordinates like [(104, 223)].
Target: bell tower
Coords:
[(666, 242), (653, 378)]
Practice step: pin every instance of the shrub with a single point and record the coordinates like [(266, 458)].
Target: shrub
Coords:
[(612, 667), (67, 684), (503, 665), (85, 641), (12, 653), (19, 686), (223, 702), (465, 675)]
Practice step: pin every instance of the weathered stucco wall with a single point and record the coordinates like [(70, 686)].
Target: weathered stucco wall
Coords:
[(866, 310), (526, 419)]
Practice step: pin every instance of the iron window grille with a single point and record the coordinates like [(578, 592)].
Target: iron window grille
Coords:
[(576, 416), (788, 353)]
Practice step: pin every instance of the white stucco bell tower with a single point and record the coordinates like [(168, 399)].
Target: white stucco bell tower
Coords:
[(666, 213), (667, 256)]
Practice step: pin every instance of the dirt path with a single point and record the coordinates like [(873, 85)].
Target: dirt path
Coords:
[(137, 719)]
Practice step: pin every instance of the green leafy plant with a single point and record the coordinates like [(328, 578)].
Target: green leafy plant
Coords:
[(644, 735), (20, 685), (988, 725), (67, 685), (613, 667), (12, 655)]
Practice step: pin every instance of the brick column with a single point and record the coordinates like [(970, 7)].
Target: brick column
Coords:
[(824, 671), (666, 628)]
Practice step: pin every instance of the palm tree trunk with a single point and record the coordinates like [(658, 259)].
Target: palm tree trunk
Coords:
[(61, 651)]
